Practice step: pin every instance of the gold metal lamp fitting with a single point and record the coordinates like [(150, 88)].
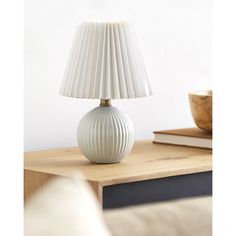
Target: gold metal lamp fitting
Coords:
[(105, 103)]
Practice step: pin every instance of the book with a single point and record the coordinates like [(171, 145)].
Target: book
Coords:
[(192, 137)]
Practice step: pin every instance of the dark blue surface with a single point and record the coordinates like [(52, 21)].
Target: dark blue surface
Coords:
[(156, 190)]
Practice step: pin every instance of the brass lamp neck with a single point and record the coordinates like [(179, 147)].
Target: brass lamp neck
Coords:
[(105, 103)]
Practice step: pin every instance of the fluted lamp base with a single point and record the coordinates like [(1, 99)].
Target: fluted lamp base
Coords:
[(105, 134)]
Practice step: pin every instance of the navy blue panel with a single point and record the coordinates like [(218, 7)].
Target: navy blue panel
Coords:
[(155, 190)]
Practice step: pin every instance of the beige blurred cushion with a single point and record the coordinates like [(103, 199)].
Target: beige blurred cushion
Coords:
[(187, 217), (65, 207)]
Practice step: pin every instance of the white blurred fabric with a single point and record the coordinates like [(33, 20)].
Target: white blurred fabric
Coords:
[(65, 207)]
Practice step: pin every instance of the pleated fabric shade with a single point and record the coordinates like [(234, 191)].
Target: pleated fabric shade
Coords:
[(105, 62)]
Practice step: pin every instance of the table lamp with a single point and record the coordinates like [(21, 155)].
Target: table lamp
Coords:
[(105, 63)]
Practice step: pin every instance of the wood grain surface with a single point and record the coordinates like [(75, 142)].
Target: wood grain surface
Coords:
[(201, 108), (33, 180), (146, 161)]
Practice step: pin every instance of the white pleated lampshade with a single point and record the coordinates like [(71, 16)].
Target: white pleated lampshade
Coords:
[(105, 62)]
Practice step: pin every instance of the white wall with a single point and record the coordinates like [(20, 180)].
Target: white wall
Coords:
[(175, 39)]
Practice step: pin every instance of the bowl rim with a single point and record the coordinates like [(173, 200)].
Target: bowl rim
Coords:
[(205, 93)]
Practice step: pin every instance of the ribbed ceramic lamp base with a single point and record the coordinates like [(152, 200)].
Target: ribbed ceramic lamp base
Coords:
[(105, 135)]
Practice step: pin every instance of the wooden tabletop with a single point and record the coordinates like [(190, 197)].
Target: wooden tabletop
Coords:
[(146, 161)]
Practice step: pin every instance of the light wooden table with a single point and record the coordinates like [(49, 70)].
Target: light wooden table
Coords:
[(151, 172)]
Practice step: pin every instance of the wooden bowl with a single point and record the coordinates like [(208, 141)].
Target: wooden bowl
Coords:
[(201, 108)]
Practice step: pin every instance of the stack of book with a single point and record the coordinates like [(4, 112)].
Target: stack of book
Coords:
[(192, 137)]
